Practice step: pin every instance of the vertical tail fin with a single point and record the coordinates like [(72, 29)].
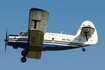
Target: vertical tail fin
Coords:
[(88, 30)]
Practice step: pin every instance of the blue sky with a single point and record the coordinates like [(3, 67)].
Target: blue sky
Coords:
[(64, 15)]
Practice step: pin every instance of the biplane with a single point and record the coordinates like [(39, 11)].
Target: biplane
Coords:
[(36, 39)]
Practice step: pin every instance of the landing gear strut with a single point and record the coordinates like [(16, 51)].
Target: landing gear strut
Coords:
[(83, 49)]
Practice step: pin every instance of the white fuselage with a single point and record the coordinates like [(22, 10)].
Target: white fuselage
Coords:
[(55, 39)]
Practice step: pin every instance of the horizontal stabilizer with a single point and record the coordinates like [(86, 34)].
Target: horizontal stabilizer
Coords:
[(88, 30)]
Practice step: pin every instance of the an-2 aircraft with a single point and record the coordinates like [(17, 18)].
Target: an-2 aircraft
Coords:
[(36, 39)]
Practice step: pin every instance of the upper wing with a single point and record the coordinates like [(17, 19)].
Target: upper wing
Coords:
[(38, 19), (37, 27)]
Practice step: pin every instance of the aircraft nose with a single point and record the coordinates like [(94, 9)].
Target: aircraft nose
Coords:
[(5, 40)]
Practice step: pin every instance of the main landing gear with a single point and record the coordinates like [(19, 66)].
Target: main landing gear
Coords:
[(83, 49), (24, 54), (23, 59)]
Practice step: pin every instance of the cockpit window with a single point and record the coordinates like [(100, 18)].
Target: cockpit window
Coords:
[(20, 33), (23, 34)]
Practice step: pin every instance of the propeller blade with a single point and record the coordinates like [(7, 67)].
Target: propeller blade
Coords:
[(5, 41), (6, 34), (5, 46)]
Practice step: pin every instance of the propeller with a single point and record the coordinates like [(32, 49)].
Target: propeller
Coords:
[(6, 41)]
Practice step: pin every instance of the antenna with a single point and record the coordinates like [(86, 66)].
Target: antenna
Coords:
[(61, 32)]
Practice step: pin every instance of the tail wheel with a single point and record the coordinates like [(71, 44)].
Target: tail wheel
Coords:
[(83, 49)]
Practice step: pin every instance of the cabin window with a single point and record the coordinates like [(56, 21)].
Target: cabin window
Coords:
[(53, 39), (23, 34), (63, 39)]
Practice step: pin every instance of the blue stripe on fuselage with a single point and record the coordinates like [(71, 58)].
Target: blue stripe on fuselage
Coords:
[(44, 45)]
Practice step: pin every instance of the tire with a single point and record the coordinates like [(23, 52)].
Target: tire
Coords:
[(23, 59), (83, 49), (24, 53)]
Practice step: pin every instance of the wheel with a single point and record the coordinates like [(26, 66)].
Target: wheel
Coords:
[(24, 53), (23, 59), (83, 49)]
